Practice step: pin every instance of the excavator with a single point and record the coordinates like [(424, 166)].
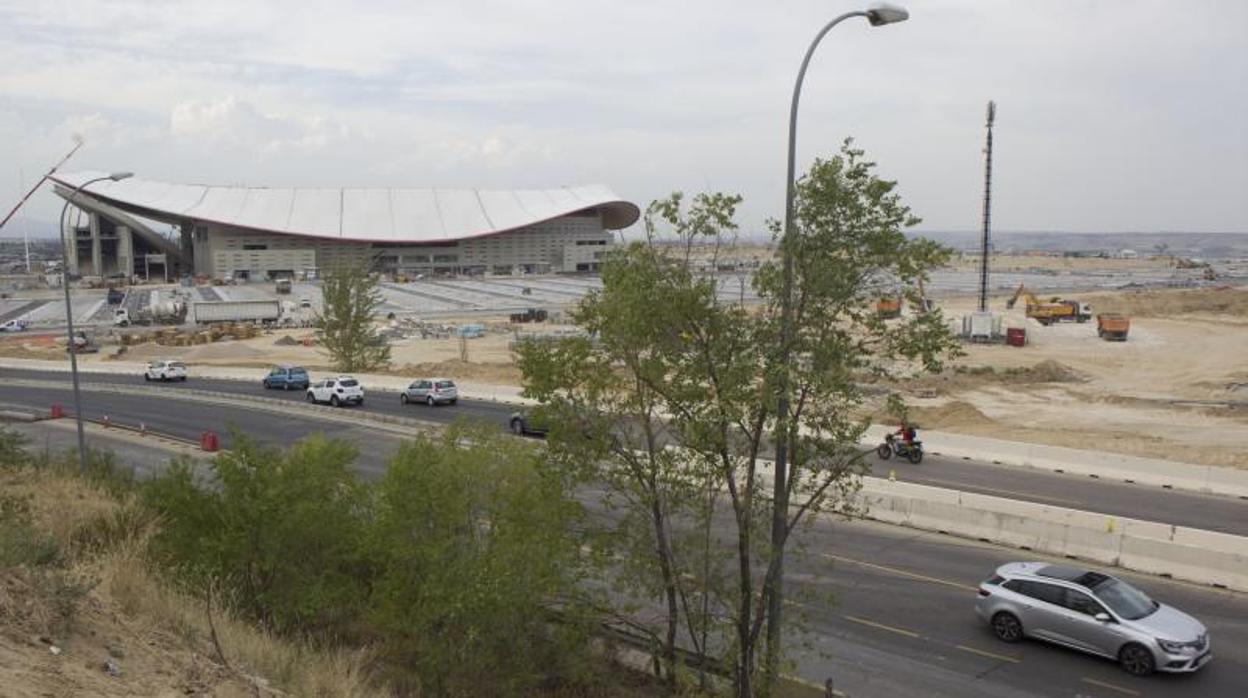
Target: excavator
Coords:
[(1055, 310)]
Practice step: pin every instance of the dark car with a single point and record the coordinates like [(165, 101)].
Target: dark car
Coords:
[(287, 378), (528, 424)]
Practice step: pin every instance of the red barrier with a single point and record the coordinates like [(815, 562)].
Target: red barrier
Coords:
[(208, 441), (56, 412)]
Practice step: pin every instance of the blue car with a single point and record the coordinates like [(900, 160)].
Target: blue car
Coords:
[(287, 378)]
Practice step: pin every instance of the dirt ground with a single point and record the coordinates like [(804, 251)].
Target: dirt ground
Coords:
[(1067, 387), (1176, 389), (97, 623), (489, 356)]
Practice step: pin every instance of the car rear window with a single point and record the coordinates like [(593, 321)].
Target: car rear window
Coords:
[(349, 383), (176, 364), (445, 384), (298, 372)]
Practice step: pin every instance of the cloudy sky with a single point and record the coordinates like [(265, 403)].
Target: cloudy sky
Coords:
[(1112, 115)]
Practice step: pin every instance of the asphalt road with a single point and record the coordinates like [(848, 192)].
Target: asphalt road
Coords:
[(885, 611), (1180, 508)]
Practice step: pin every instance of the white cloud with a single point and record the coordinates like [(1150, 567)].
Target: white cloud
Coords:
[(236, 124), (1110, 118)]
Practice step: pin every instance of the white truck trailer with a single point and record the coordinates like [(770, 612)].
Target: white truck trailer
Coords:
[(263, 311)]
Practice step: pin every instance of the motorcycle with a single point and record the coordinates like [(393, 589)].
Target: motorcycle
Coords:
[(893, 445)]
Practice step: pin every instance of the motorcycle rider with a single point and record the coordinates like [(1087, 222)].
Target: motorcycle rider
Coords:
[(907, 434)]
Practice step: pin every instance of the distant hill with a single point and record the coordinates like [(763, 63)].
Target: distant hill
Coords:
[(1204, 245)]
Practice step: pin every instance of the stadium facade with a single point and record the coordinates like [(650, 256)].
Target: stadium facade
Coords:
[(267, 232)]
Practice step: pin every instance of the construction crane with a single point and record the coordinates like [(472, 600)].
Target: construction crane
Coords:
[(983, 262)]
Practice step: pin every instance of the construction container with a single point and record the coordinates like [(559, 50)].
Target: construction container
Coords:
[(1016, 336)]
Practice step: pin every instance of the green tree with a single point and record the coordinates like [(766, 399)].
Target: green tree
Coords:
[(664, 344), (345, 324), (602, 393), (281, 531), (476, 543)]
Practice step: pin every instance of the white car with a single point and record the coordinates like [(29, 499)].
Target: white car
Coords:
[(165, 371), (13, 326), (343, 390)]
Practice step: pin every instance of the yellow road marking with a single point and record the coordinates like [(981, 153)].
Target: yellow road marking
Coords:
[(881, 626), (903, 573), (1111, 686), (990, 655)]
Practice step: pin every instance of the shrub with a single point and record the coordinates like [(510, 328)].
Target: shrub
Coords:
[(474, 543), (281, 532)]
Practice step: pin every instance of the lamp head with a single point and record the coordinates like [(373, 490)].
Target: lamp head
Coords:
[(118, 176), (882, 13)]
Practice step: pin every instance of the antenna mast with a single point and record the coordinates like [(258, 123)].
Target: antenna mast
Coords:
[(983, 263)]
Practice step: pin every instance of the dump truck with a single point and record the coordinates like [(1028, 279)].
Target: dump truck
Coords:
[(1113, 327), (888, 308), (1054, 310), (262, 311)]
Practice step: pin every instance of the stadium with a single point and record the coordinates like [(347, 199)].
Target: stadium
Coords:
[(259, 233)]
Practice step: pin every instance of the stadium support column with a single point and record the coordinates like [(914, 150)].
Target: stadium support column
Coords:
[(187, 244), (125, 251), (70, 234), (97, 251)]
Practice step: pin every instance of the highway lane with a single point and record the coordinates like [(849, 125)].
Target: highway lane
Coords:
[(886, 611), (901, 622), (1206, 511)]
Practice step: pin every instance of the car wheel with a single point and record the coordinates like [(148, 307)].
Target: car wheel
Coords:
[(403, 398), (517, 427), (1007, 627), (333, 400), (1136, 660), (453, 401), (147, 377), (430, 401), (183, 379), (311, 397)]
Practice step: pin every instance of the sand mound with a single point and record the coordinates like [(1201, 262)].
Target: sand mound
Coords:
[(955, 413), (1047, 371), (1177, 303)]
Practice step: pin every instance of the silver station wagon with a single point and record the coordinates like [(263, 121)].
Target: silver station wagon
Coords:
[(1092, 612)]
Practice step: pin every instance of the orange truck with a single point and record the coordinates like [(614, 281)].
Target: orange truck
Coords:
[(888, 307), (1113, 327)]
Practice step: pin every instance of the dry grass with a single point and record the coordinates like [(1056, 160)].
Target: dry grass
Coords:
[(118, 610)]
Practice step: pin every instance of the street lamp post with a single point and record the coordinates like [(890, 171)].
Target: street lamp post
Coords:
[(878, 15), (69, 312)]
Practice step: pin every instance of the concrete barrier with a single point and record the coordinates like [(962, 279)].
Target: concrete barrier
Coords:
[(18, 416), (1117, 466), (1194, 555)]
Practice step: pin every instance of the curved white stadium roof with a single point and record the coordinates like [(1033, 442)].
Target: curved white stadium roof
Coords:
[(359, 215)]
